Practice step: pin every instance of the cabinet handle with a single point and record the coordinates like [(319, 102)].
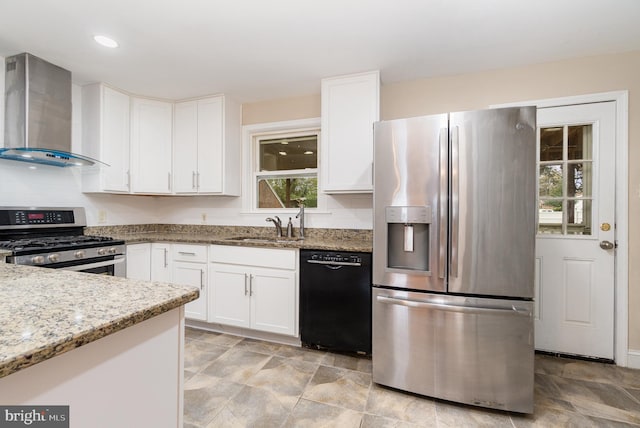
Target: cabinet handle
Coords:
[(186, 253), (201, 279), (165, 258), (198, 179), (193, 180), (251, 285), (128, 178), (245, 284), (168, 181)]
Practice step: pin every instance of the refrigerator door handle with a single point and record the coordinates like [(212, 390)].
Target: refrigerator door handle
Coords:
[(455, 199), (513, 310), (444, 173)]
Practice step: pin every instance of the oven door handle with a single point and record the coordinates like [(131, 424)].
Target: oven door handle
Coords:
[(113, 262)]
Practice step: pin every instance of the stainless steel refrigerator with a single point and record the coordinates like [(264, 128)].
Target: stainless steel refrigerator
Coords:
[(453, 256)]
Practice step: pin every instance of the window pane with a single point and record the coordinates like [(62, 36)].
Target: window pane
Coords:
[(580, 142), (550, 217), (283, 154), (579, 179), (283, 192), (579, 217), (551, 144), (550, 180)]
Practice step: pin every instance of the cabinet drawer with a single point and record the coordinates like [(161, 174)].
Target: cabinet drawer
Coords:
[(277, 258), (189, 253)]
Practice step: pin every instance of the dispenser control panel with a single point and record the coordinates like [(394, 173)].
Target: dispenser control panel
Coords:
[(408, 215)]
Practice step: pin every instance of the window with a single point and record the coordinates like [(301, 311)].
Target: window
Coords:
[(286, 169), (565, 177)]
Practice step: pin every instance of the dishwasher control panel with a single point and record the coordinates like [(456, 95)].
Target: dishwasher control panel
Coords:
[(337, 258)]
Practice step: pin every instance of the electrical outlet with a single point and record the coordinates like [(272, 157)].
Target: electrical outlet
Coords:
[(102, 216), (203, 216)]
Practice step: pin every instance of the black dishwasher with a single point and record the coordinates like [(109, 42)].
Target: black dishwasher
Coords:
[(335, 301)]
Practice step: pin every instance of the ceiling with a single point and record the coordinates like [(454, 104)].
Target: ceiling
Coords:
[(258, 49)]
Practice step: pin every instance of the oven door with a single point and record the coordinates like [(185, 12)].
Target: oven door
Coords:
[(112, 265)]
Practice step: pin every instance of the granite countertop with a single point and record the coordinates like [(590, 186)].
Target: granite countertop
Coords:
[(47, 312), (316, 239)]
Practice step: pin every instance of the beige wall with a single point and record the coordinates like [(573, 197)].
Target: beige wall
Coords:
[(278, 110), (479, 90)]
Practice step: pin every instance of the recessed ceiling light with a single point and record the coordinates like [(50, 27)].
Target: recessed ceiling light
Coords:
[(308, 152), (282, 153), (284, 142), (106, 41)]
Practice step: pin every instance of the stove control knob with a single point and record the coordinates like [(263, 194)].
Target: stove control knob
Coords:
[(102, 251), (37, 260), (112, 250), (79, 254), (53, 257)]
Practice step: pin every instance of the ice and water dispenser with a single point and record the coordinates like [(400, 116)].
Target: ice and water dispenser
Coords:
[(408, 238)]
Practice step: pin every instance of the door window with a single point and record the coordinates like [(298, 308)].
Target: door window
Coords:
[(565, 180)]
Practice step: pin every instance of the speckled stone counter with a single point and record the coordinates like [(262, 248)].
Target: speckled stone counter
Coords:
[(46, 312), (317, 239)]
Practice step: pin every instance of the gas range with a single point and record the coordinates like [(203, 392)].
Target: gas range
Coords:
[(54, 238)]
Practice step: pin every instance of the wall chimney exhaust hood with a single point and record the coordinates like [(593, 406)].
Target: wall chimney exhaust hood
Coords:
[(37, 122)]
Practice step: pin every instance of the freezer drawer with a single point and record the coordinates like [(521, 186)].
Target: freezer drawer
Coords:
[(469, 350)]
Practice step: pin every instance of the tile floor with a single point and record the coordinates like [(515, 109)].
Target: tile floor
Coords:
[(231, 381)]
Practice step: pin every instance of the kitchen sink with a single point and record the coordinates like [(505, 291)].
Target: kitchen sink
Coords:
[(263, 239)]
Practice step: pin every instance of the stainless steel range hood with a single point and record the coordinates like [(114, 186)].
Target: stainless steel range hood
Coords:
[(37, 123)]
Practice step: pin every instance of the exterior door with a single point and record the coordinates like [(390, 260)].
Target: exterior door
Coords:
[(575, 243)]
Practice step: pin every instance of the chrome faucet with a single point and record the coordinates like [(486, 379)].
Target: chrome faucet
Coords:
[(300, 215), (278, 224)]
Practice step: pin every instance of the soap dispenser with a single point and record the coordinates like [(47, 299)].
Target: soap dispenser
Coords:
[(290, 229)]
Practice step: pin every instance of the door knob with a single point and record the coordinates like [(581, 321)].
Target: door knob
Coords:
[(606, 245)]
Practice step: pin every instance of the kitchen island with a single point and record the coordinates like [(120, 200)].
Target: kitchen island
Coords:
[(110, 348)]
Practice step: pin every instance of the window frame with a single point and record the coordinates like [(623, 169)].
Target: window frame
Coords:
[(252, 134)]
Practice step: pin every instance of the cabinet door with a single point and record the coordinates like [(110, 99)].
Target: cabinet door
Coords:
[(229, 301), (106, 136), (160, 262), (115, 140), (151, 124), (139, 261), (185, 147), (211, 145), (194, 274), (350, 106), (274, 301)]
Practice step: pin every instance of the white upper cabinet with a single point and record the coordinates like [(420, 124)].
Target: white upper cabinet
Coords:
[(206, 147), (185, 147), (105, 137), (151, 136), (350, 106)]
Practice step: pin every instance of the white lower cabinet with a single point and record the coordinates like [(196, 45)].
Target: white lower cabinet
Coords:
[(189, 267), (254, 288), (247, 287), (161, 262), (139, 261)]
